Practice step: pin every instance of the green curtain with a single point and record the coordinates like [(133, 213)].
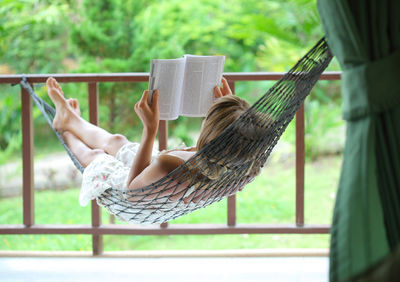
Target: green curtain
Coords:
[(364, 35)]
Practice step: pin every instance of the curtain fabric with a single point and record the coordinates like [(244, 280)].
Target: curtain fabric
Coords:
[(364, 35)]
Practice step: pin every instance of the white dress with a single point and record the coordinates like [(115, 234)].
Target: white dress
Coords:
[(106, 172)]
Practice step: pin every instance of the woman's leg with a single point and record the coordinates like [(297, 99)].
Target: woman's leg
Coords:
[(83, 153), (68, 119)]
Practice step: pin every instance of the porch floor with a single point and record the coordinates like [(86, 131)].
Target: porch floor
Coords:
[(293, 269)]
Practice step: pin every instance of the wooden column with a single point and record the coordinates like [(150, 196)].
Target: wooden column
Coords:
[(163, 145), (231, 217), (27, 159), (97, 240), (163, 135), (300, 161)]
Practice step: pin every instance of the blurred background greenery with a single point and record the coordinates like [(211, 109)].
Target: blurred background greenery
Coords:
[(67, 36), (88, 36)]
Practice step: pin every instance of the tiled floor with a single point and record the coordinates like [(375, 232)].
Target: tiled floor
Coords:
[(307, 269)]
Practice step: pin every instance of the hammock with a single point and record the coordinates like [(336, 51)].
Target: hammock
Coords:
[(227, 163)]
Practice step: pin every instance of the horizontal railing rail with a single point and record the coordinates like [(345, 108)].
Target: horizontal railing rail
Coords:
[(97, 229), (143, 77)]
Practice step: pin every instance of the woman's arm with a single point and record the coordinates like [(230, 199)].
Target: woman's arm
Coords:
[(142, 172), (149, 115)]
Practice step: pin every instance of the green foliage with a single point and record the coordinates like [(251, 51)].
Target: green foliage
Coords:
[(286, 29), (34, 35), (33, 38), (10, 126), (172, 28), (115, 36), (181, 131), (43, 36), (318, 140), (324, 126)]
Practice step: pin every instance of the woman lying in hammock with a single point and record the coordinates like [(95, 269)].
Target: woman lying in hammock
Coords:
[(110, 160)]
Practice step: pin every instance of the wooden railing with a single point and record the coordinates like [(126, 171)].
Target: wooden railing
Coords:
[(97, 229)]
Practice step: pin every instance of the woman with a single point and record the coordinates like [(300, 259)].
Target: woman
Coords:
[(110, 160)]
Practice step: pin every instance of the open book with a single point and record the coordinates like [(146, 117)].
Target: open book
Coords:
[(186, 84)]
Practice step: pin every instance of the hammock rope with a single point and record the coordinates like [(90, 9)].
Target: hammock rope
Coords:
[(227, 163)]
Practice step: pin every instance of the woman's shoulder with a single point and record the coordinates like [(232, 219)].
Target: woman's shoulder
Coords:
[(171, 159)]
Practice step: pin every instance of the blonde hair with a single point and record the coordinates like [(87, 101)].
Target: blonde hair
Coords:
[(222, 113)]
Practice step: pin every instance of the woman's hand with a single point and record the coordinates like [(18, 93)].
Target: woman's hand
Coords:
[(224, 90), (149, 114)]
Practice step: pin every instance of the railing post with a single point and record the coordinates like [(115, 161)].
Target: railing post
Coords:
[(27, 159), (97, 240), (163, 145), (300, 161), (163, 135), (232, 199)]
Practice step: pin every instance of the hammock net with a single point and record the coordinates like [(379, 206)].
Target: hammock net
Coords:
[(223, 166)]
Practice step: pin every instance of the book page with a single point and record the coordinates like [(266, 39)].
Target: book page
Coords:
[(167, 76), (202, 74)]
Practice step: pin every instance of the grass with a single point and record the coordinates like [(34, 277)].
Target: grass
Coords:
[(269, 199)]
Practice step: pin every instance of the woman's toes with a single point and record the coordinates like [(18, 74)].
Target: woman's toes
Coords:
[(73, 103), (53, 83), (54, 93), (49, 82), (77, 107), (57, 85)]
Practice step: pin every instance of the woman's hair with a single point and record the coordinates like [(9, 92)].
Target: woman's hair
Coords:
[(222, 113), (236, 157)]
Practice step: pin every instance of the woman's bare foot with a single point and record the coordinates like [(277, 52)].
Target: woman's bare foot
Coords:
[(65, 109)]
